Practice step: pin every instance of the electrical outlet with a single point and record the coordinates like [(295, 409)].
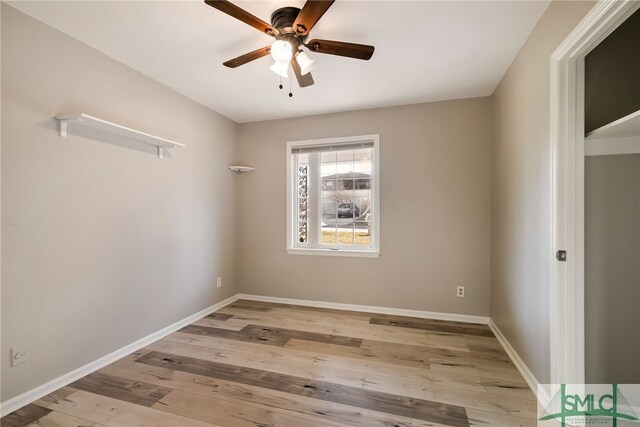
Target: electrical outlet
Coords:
[(219, 282), (460, 292), (18, 356)]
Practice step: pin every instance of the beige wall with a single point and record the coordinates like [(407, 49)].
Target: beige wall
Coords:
[(612, 268), (102, 243), (520, 219), (435, 207)]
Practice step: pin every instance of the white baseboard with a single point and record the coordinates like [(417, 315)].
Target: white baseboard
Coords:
[(524, 370), (34, 394), (371, 309)]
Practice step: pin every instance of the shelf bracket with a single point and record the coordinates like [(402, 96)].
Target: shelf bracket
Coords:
[(160, 153)]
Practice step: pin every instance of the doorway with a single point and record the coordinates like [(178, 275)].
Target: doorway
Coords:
[(567, 284), (612, 207)]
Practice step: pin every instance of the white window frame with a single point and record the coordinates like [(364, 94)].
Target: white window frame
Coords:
[(374, 251)]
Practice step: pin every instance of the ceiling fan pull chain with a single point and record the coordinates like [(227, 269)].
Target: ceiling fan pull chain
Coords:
[(290, 93)]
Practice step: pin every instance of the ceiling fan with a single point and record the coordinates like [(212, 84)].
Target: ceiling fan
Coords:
[(290, 27)]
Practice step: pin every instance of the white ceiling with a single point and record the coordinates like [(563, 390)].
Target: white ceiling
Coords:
[(425, 50)]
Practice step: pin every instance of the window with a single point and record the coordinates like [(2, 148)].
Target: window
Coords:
[(333, 197)]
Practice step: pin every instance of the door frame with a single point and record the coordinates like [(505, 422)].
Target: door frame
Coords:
[(567, 334)]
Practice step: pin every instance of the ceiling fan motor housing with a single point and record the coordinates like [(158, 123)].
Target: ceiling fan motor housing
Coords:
[(283, 20)]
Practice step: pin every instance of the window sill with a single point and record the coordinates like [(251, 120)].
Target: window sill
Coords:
[(334, 252)]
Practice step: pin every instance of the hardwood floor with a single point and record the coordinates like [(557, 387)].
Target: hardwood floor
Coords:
[(254, 364)]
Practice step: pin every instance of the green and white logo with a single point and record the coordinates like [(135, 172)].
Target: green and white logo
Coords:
[(591, 404)]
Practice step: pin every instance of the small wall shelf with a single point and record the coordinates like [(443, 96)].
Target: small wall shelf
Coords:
[(115, 129), (241, 169), (619, 137)]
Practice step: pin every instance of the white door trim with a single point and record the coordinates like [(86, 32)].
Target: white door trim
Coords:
[(567, 193)]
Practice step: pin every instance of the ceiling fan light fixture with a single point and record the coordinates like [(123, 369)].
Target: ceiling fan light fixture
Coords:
[(306, 63), (280, 69), (281, 51)]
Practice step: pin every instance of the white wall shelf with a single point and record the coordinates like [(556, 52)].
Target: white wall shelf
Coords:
[(241, 169), (83, 119), (619, 137)]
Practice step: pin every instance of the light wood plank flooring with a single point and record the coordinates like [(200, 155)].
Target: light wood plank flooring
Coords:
[(262, 364)]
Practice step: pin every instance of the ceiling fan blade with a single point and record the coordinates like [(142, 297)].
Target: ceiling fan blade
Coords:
[(247, 57), (242, 15), (310, 14), (351, 50), (303, 80)]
